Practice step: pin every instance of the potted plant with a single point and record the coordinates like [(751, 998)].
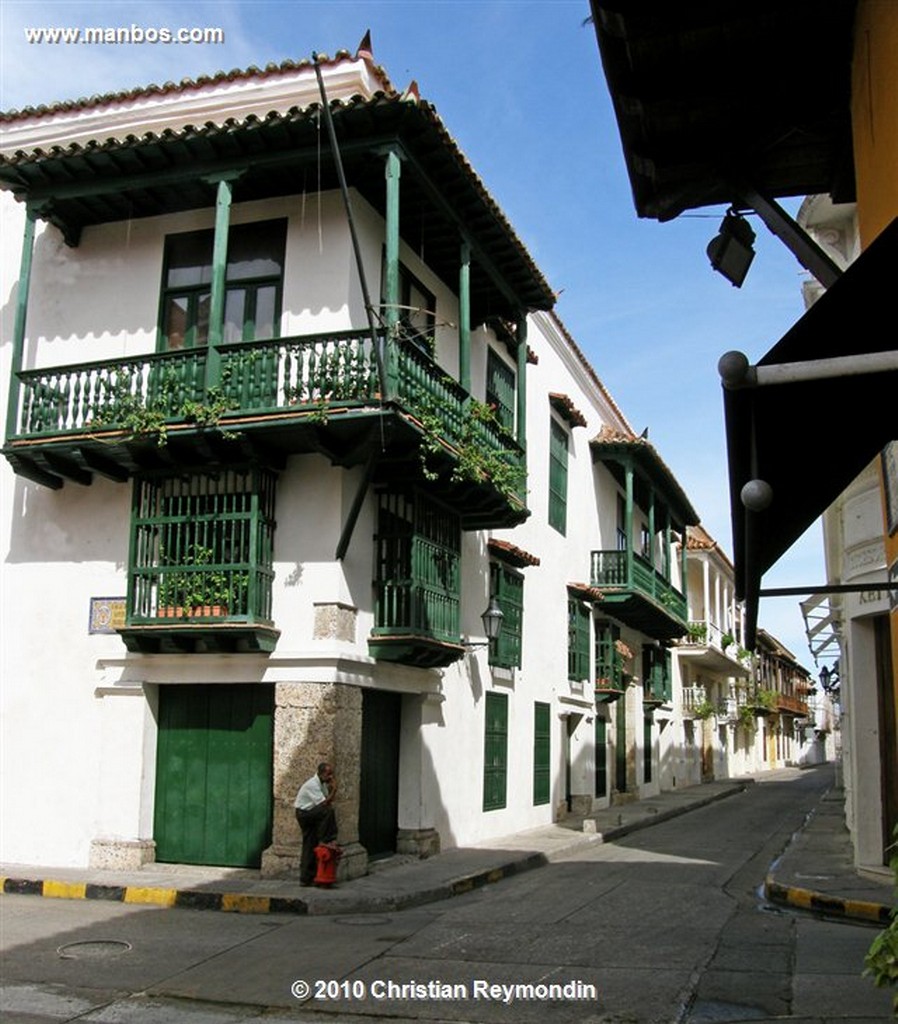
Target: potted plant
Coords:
[(697, 632), (191, 589)]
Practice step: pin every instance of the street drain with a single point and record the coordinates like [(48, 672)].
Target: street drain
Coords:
[(94, 949)]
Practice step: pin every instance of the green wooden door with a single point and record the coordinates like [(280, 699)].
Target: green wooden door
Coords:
[(214, 774), (542, 768), (379, 789)]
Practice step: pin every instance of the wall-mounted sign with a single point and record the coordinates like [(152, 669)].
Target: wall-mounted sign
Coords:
[(106, 614)]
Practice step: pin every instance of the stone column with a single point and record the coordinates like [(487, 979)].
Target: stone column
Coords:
[(316, 722)]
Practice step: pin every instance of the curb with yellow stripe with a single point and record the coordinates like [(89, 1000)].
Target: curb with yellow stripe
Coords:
[(836, 906), (238, 903)]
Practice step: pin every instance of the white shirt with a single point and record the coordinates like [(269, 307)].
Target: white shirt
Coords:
[(311, 794)]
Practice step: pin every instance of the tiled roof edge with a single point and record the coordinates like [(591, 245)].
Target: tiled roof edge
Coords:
[(189, 84)]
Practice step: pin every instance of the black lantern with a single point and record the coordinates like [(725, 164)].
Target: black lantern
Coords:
[(730, 251), (492, 619)]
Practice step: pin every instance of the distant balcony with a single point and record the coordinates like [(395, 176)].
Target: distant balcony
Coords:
[(639, 596), (789, 705), (319, 393), (707, 646)]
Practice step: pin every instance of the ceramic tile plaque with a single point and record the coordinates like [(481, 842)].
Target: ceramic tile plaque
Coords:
[(106, 614)]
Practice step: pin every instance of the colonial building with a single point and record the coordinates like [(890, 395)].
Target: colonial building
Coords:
[(712, 668), (289, 424)]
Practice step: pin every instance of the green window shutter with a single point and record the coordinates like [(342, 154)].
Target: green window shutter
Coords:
[(508, 587), (500, 389), (495, 752), (609, 663), (558, 455), (657, 674), (541, 753), (601, 755), (578, 640)]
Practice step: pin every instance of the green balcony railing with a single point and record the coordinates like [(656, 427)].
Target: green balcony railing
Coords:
[(276, 375), (611, 569), (107, 394)]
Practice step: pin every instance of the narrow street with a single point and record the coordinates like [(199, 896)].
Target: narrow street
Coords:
[(665, 926)]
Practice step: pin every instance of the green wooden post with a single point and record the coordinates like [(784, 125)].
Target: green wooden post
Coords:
[(219, 272), (628, 520), (667, 542), (391, 274), (464, 318), (521, 381), (18, 337), (683, 561), (651, 552)]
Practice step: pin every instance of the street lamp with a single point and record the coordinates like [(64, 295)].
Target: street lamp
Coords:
[(492, 624), (730, 251), (829, 680)]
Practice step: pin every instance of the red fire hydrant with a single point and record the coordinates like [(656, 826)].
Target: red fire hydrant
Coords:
[(327, 855)]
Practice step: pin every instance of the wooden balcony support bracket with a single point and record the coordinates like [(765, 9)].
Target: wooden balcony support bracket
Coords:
[(356, 507)]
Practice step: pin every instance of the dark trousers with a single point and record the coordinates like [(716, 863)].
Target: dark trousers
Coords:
[(319, 825)]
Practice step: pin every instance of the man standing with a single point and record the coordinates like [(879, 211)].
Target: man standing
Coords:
[(315, 814)]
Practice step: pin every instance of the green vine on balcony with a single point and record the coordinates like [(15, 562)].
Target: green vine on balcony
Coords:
[(140, 416), (747, 717), (474, 460), (704, 709)]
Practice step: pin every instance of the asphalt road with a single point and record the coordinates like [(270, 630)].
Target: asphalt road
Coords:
[(664, 926)]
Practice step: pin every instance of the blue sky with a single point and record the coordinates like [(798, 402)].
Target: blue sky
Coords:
[(519, 85)]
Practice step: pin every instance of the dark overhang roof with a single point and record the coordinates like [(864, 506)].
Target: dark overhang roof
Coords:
[(809, 439), (712, 92), (441, 195)]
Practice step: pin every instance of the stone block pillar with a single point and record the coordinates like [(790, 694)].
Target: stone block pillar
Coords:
[(315, 722)]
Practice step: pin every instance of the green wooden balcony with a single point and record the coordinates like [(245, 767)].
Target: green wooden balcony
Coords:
[(417, 581), (318, 393), (634, 592), (200, 567)]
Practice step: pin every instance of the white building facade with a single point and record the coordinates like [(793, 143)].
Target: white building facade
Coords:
[(249, 527)]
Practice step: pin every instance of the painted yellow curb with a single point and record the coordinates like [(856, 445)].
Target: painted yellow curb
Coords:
[(65, 890), (237, 903), (155, 897)]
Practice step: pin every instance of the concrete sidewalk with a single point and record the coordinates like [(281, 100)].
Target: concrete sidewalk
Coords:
[(815, 872)]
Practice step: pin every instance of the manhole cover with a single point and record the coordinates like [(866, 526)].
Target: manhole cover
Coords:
[(95, 949)]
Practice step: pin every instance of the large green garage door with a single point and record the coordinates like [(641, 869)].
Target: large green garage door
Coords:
[(213, 774)]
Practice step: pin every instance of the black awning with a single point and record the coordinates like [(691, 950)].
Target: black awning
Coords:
[(809, 439), (706, 91)]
